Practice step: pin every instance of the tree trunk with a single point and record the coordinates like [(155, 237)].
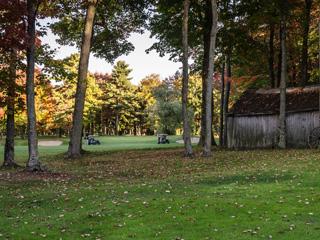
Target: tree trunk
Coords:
[(279, 60), (134, 128), (294, 73), (91, 126), (271, 57), (74, 150), (207, 145), (304, 54), (213, 142), (59, 132), (23, 132), (117, 124), (282, 117), (221, 104), (319, 67), (226, 103), (205, 67), (186, 129), (9, 146), (33, 163), (84, 132)]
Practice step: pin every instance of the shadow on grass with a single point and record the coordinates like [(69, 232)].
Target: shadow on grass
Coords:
[(10, 167), (249, 178)]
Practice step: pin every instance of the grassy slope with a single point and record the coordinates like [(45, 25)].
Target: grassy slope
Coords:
[(157, 193)]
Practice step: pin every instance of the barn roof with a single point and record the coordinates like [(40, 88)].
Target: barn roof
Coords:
[(267, 101)]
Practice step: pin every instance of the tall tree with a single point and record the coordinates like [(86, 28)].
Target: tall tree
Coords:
[(166, 112), (319, 62), (9, 145), (11, 41), (74, 150), (109, 29), (186, 129), (221, 128), (166, 27), (22, 15), (279, 59), (144, 92), (214, 29), (64, 93), (271, 56), (304, 54), (282, 118), (208, 24), (120, 91), (226, 102), (33, 163)]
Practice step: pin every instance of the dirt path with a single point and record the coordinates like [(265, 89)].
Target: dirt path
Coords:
[(193, 140), (49, 143)]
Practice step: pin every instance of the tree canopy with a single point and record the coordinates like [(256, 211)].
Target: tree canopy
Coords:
[(255, 42)]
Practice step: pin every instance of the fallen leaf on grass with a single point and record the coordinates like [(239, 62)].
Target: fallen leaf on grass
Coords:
[(191, 219)]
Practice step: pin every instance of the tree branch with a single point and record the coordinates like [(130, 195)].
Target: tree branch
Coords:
[(35, 12)]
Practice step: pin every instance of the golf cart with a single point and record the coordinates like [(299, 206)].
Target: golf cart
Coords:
[(91, 141), (162, 138)]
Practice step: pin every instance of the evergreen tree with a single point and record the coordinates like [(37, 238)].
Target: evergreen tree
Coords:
[(119, 95)]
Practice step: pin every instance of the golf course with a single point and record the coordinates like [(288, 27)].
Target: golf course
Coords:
[(132, 187)]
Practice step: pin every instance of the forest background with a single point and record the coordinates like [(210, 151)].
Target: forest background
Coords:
[(248, 54)]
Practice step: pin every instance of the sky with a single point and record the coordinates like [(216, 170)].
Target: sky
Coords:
[(141, 63)]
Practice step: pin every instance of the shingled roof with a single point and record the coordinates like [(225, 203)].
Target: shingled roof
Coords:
[(267, 101)]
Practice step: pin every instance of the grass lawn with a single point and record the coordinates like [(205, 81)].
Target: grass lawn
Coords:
[(156, 193), (107, 143)]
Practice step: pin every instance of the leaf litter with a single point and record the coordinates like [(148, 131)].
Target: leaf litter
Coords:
[(144, 196)]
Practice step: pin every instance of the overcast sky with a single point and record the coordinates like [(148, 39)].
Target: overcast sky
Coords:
[(142, 64)]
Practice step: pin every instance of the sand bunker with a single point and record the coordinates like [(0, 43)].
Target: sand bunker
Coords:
[(193, 140), (49, 143)]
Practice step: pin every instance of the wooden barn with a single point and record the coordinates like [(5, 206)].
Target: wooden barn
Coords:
[(253, 121)]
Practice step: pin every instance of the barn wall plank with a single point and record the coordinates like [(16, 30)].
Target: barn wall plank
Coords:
[(250, 132), (299, 127)]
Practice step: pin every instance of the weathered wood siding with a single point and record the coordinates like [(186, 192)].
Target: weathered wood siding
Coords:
[(299, 125), (252, 132)]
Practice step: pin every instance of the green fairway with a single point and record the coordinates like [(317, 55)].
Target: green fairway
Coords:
[(159, 194), (107, 143)]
